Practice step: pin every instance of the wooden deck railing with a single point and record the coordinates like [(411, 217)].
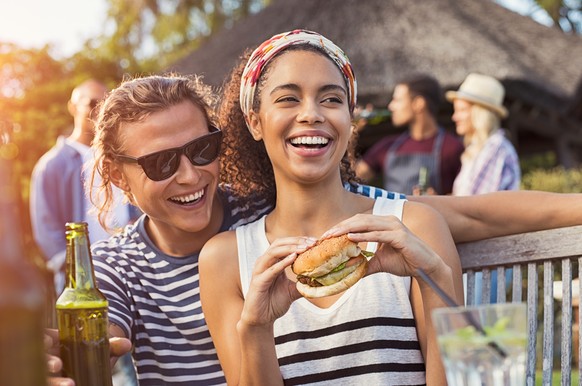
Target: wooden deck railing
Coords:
[(554, 254)]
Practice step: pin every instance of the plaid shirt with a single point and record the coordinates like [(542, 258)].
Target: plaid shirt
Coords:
[(495, 168)]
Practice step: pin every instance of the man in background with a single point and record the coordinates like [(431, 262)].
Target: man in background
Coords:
[(58, 192), (424, 150)]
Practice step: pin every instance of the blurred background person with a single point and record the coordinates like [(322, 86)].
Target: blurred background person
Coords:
[(489, 162), (58, 194), (362, 115), (423, 146), (57, 187)]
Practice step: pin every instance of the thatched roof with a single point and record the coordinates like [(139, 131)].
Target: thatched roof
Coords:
[(386, 39)]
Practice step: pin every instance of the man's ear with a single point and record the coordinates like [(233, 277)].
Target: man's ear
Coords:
[(116, 175), (72, 108), (418, 103), (255, 126)]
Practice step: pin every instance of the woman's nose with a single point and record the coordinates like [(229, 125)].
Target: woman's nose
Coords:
[(310, 112)]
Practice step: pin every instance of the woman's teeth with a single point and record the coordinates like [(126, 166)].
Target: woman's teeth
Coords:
[(188, 198), (309, 141)]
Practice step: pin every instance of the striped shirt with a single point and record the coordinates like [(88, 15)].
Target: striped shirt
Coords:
[(155, 298), (367, 337), (494, 168)]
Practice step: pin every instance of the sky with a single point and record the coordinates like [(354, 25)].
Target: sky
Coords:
[(66, 24)]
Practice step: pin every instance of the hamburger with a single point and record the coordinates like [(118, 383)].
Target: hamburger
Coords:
[(329, 267)]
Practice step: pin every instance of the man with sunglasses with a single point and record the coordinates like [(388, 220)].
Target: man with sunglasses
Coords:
[(155, 139), (57, 184)]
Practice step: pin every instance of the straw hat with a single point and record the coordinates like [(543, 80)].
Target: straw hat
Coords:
[(482, 90)]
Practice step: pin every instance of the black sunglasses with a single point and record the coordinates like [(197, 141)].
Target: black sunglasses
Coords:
[(163, 164)]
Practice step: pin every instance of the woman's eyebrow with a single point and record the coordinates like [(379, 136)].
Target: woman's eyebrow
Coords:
[(295, 87), (333, 87), (286, 86)]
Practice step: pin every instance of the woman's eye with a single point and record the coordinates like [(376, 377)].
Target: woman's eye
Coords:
[(333, 99), (286, 99)]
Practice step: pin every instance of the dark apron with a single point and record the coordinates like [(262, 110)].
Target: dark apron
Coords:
[(401, 170)]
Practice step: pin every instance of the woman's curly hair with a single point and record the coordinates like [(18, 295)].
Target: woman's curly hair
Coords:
[(245, 164), (133, 101)]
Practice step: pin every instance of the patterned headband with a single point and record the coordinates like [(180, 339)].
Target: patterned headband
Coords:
[(271, 47)]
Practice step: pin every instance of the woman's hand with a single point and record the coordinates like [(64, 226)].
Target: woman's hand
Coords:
[(400, 252), (271, 292)]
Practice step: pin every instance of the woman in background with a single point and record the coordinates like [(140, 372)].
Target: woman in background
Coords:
[(489, 162)]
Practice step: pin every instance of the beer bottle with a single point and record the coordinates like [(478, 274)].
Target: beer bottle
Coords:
[(422, 180), (22, 352), (82, 315)]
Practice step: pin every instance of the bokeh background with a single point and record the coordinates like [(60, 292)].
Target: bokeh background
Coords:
[(534, 47)]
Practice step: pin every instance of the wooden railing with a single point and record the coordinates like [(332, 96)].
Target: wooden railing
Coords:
[(556, 254)]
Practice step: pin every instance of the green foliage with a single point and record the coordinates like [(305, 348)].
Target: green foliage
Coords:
[(566, 14), (139, 37), (557, 378), (149, 35), (547, 160), (557, 180), (33, 107), (541, 172)]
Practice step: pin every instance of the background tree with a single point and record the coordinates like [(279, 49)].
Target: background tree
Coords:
[(148, 35), (138, 37), (34, 91)]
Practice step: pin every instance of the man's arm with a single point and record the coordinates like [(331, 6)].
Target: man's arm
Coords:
[(503, 213), (47, 223)]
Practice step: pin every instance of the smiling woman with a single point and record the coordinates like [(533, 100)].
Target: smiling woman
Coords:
[(64, 25), (296, 90)]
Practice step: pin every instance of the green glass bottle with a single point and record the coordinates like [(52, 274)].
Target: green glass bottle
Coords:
[(82, 315), (422, 180), (22, 352)]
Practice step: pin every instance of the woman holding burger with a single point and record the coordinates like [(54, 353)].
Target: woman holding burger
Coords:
[(291, 123)]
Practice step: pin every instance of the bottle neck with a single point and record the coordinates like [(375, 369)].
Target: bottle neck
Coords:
[(423, 177), (79, 273)]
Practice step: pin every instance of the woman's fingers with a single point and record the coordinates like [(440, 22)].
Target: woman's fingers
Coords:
[(399, 250), (363, 223), (281, 249), (271, 292)]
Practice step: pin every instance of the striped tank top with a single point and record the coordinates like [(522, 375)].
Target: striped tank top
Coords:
[(367, 337)]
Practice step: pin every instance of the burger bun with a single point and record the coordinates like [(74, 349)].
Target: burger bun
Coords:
[(323, 258)]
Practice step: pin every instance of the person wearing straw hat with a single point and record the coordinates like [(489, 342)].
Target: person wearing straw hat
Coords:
[(489, 162)]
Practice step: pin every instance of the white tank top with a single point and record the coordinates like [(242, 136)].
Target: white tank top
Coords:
[(367, 337)]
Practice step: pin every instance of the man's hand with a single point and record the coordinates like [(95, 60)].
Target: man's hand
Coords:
[(117, 347)]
